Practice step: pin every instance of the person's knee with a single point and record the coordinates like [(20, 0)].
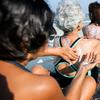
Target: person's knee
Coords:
[(88, 89), (91, 81), (40, 70), (90, 84)]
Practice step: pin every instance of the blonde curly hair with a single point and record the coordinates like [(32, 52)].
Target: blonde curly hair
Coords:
[(68, 15)]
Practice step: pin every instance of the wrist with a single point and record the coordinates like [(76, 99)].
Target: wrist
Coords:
[(53, 51), (81, 72)]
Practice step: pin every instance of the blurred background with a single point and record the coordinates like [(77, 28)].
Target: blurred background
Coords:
[(84, 5)]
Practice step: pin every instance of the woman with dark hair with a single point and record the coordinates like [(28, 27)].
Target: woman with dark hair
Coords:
[(94, 12), (93, 29), (24, 29)]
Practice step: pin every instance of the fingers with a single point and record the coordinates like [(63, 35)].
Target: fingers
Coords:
[(91, 56), (88, 66), (71, 53), (68, 53), (70, 56), (67, 59), (92, 65)]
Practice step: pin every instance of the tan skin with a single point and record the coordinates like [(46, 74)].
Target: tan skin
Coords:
[(66, 53), (26, 86)]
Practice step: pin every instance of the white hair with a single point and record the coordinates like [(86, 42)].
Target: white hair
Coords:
[(68, 15)]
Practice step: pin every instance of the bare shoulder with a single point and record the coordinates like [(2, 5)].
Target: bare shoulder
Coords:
[(42, 88), (95, 44), (90, 42), (28, 86)]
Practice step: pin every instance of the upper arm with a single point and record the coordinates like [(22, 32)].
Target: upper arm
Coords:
[(46, 88), (41, 88)]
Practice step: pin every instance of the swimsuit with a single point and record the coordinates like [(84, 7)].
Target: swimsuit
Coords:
[(72, 45), (18, 65), (62, 79)]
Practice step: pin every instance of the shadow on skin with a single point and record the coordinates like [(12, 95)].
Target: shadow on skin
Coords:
[(5, 93)]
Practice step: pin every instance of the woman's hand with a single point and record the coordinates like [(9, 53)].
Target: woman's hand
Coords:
[(88, 62), (89, 66), (91, 56), (66, 53), (87, 57), (85, 67)]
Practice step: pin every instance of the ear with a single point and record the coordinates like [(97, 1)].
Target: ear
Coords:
[(78, 27)]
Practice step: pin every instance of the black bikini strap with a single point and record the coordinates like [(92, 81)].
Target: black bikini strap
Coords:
[(74, 42), (60, 41), (71, 44)]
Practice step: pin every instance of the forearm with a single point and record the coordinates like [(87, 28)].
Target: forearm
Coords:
[(51, 52), (64, 52), (75, 88)]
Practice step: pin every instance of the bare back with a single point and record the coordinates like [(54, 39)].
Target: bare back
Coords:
[(87, 45)]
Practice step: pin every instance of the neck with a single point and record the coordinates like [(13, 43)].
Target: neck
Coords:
[(25, 62), (72, 37)]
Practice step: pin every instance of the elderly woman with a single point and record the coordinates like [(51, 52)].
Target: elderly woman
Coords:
[(69, 18)]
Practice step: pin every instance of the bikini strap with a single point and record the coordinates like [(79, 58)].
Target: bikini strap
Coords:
[(72, 45), (74, 67), (75, 42), (19, 65)]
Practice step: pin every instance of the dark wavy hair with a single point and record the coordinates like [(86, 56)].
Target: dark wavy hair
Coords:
[(24, 26), (93, 14)]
